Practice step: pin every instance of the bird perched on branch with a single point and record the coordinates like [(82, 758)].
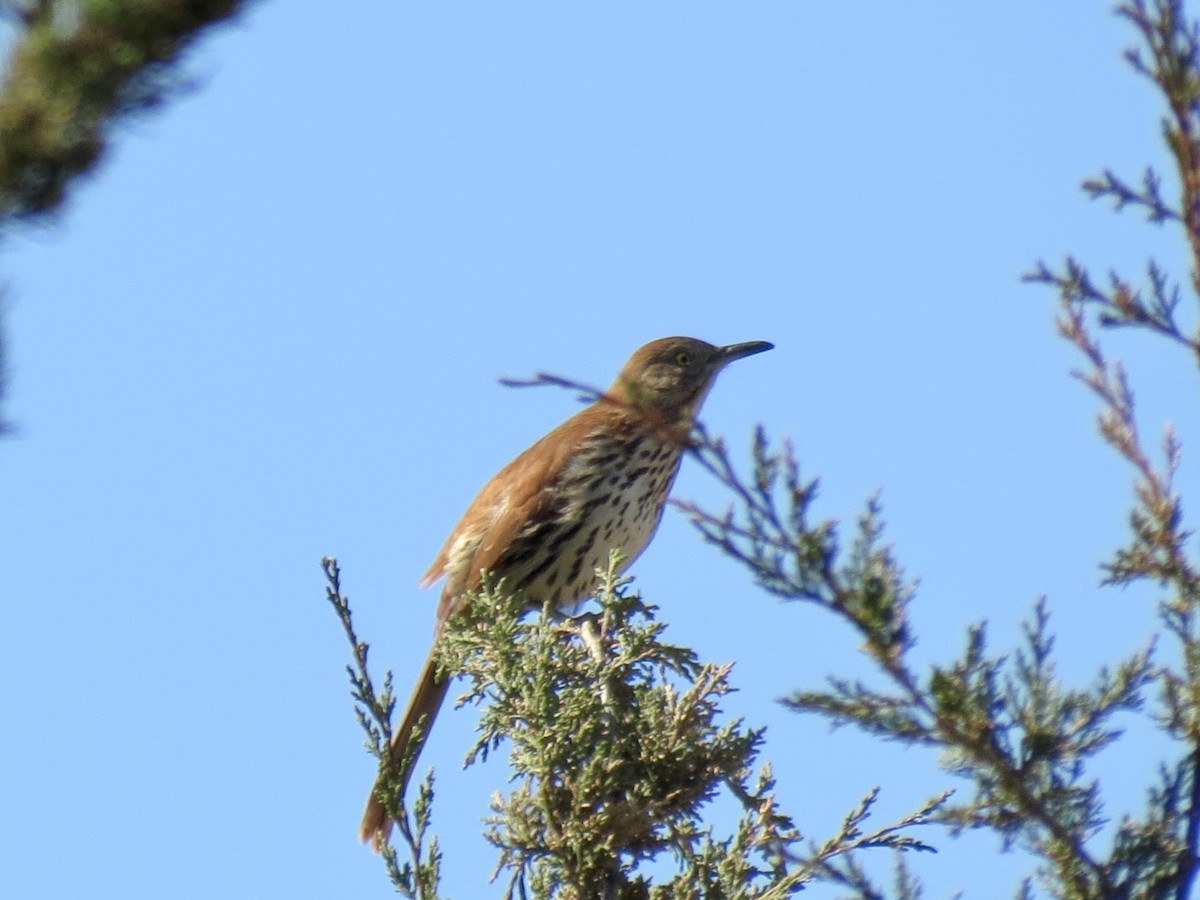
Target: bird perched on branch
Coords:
[(548, 519)]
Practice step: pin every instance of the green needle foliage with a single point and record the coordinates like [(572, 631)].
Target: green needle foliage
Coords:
[(617, 749), (1021, 741), (419, 873), (77, 67), (615, 739)]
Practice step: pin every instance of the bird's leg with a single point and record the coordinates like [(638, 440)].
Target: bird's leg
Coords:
[(588, 625), (590, 634)]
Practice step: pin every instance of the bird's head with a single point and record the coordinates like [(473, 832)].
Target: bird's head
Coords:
[(673, 375)]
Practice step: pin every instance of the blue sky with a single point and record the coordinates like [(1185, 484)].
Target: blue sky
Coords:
[(271, 329)]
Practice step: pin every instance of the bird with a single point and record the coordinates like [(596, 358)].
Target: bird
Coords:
[(544, 523)]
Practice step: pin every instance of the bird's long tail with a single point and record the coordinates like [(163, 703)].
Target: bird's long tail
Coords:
[(407, 742)]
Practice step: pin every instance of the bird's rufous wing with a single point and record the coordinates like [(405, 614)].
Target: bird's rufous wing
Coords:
[(516, 496)]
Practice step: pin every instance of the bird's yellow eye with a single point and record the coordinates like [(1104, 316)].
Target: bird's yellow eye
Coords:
[(682, 358)]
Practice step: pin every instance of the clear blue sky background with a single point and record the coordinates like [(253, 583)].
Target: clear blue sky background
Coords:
[(271, 329)]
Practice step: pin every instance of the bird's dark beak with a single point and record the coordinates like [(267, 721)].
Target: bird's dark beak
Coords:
[(731, 352)]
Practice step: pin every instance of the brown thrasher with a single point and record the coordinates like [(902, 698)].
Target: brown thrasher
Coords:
[(548, 519)]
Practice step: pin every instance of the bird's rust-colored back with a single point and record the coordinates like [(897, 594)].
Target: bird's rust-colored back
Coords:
[(551, 517), (597, 481)]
